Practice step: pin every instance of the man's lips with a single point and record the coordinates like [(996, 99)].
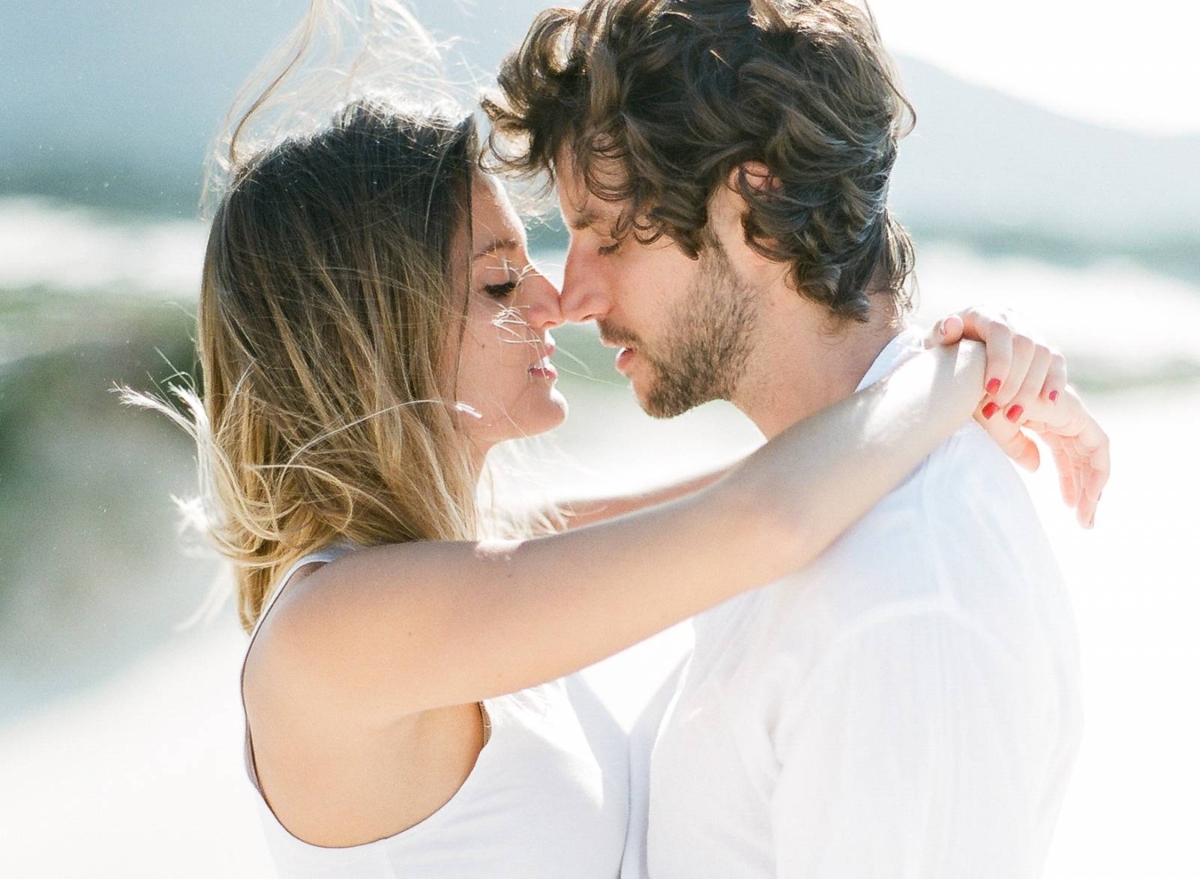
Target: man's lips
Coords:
[(628, 344)]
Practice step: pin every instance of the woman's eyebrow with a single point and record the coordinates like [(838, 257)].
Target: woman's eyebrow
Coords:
[(498, 245)]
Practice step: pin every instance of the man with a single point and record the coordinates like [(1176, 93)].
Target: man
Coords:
[(909, 705)]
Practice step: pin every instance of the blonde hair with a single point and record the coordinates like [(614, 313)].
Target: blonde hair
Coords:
[(332, 307), (334, 282)]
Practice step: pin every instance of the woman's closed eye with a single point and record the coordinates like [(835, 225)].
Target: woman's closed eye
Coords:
[(505, 288), (501, 291)]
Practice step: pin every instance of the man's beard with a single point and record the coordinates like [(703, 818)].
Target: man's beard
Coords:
[(705, 349)]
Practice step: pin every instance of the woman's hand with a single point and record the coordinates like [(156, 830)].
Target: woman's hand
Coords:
[(1026, 384)]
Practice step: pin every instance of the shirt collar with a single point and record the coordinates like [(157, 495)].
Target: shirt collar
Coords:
[(907, 342)]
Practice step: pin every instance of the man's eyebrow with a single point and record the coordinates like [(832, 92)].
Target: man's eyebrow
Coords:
[(590, 218), (498, 245), (584, 219)]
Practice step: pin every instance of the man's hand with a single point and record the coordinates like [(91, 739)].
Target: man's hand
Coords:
[(1026, 387)]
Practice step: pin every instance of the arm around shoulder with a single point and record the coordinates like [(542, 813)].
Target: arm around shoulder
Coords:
[(395, 630)]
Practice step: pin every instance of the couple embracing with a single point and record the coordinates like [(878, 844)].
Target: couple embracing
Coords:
[(884, 678)]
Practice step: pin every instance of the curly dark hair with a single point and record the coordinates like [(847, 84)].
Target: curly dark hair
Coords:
[(677, 95)]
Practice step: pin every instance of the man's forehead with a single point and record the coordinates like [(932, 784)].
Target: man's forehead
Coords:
[(581, 208), (589, 216)]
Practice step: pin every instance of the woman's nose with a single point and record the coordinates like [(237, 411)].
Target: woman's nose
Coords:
[(543, 302)]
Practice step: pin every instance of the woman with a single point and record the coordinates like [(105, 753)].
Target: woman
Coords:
[(370, 327)]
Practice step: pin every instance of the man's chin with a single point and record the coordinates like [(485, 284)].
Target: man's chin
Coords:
[(658, 405), (643, 390), (660, 393)]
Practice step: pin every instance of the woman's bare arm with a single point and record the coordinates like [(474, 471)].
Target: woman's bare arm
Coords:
[(390, 631), (589, 511), (1026, 370)]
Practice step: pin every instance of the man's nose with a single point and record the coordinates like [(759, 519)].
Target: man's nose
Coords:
[(584, 295)]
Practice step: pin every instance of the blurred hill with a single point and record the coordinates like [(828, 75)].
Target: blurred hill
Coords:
[(91, 568), (113, 105), (1005, 175)]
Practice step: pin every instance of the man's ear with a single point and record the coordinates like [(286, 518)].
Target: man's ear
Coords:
[(727, 213), (732, 203), (755, 174)]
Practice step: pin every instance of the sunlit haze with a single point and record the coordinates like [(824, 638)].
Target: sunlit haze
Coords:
[(1042, 178)]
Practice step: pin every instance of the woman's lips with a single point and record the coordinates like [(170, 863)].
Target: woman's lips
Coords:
[(544, 368)]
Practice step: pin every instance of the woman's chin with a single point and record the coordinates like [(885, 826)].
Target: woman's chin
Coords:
[(559, 400), (552, 413), (532, 420)]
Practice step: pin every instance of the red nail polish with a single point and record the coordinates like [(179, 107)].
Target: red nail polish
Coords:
[(1015, 413), (993, 386), (990, 409), (1054, 396)]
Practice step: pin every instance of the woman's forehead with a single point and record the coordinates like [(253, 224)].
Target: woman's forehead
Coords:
[(493, 217)]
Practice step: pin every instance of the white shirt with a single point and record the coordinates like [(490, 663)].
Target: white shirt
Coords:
[(907, 706)]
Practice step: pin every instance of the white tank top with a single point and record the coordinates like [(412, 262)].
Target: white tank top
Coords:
[(548, 797)]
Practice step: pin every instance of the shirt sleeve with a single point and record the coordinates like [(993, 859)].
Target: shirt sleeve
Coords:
[(905, 755)]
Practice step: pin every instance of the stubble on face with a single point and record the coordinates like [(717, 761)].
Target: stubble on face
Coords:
[(706, 344)]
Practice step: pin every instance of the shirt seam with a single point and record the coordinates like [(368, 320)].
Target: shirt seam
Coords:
[(909, 609)]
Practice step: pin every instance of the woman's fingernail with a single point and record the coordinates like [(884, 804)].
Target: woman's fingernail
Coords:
[(990, 409), (993, 386), (1015, 413), (1054, 396), (941, 327)]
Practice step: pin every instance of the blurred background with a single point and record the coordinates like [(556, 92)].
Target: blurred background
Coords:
[(1053, 170)]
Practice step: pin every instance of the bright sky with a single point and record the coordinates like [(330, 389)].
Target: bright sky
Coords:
[(1121, 64)]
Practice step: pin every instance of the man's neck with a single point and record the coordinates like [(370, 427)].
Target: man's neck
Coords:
[(804, 362)]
